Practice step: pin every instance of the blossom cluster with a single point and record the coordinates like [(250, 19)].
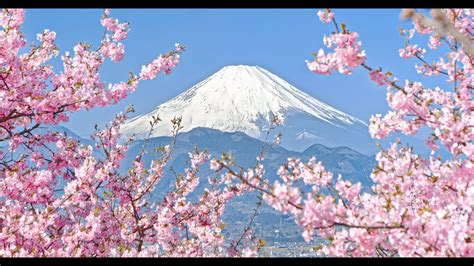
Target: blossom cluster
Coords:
[(347, 54)]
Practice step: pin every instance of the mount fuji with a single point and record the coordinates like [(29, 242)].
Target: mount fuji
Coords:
[(243, 98)]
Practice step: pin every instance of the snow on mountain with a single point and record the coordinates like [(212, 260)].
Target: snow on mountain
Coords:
[(243, 98), (305, 135)]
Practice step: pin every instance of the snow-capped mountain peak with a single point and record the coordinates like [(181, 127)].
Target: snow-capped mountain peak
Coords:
[(243, 98)]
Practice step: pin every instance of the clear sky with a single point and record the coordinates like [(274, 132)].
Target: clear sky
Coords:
[(279, 40)]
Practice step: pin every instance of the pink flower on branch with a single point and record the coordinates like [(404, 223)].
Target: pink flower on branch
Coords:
[(347, 54), (325, 16), (418, 205)]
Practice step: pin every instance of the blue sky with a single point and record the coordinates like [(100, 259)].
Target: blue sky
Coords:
[(279, 40)]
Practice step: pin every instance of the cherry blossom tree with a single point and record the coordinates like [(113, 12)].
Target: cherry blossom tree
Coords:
[(418, 206), (58, 197)]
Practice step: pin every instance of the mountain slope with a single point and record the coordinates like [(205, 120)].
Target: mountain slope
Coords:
[(243, 98), (340, 160)]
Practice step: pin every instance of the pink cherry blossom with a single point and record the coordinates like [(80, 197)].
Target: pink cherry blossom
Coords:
[(411, 51), (347, 54), (378, 77), (59, 198), (418, 205), (325, 16)]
